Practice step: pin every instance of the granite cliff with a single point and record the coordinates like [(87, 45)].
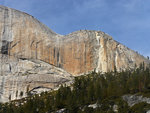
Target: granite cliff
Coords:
[(34, 57), (22, 77)]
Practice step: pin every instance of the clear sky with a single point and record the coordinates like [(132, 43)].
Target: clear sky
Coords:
[(127, 21)]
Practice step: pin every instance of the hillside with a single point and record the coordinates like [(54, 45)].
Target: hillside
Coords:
[(93, 93)]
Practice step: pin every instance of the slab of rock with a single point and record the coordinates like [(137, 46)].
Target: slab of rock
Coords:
[(20, 77), (94, 106), (135, 99)]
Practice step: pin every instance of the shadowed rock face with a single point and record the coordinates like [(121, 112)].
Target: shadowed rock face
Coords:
[(26, 46)]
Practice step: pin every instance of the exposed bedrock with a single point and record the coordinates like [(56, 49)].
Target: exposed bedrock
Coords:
[(20, 77), (22, 36), (34, 58)]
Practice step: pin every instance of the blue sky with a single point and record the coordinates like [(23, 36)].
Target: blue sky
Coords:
[(127, 21)]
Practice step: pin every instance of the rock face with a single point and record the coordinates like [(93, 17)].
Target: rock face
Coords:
[(27, 48), (135, 99), (25, 37), (84, 51), (22, 77), (22, 36)]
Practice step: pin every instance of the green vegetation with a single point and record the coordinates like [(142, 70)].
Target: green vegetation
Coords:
[(106, 90), (140, 108)]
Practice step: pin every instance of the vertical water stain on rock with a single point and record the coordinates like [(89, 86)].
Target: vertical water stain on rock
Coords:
[(5, 47)]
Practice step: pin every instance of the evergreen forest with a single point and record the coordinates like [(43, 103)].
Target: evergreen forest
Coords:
[(105, 90)]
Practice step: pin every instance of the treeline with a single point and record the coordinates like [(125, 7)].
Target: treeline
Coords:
[(104, 90)]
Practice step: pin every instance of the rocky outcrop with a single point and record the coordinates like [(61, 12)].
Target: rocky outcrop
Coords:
[(21, 77), (135, 99)]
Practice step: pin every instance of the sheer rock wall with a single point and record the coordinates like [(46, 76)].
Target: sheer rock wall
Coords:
[(24, 42), (22, 36)]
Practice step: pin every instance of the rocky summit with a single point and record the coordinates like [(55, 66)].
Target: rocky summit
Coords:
[(33, 58)]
